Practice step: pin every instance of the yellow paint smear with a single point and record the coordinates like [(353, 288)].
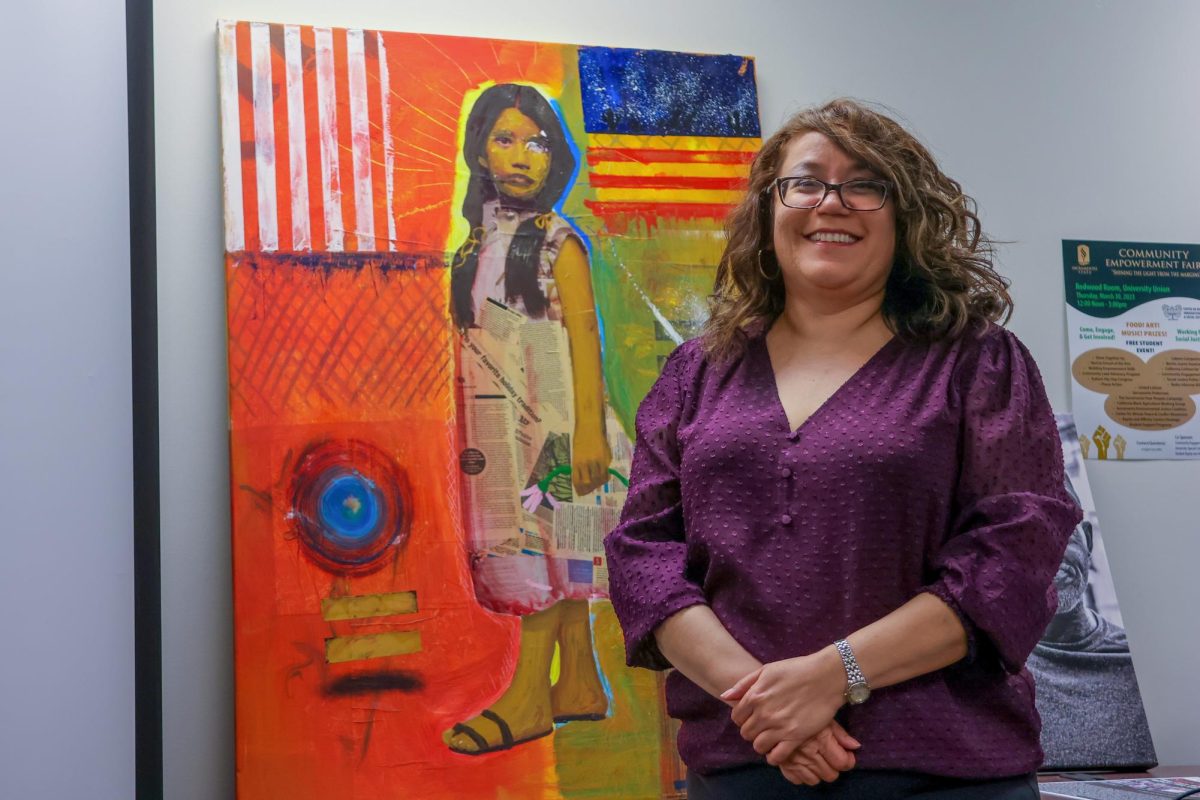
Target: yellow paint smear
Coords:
[(641, 142), (668, 196), (636, 169), (368, 605), (380, 645)]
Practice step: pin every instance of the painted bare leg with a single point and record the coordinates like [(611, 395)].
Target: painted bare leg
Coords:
[(523, 712), (578, 694)]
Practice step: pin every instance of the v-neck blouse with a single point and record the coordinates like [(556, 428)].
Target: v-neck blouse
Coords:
[(936, 467), (759, 345)]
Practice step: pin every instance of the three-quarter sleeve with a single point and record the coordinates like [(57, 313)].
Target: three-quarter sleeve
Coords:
[(646, 551), (1012, 514)]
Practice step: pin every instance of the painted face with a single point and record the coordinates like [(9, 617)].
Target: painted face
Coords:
[(1072, 578), (517, 155), (831, 248)]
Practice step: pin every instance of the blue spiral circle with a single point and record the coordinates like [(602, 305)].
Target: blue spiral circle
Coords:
[(350, 507)]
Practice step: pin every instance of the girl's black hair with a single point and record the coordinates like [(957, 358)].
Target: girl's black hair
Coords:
[(521, 266)]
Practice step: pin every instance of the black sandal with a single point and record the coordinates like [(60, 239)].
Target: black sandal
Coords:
[(506, 737)]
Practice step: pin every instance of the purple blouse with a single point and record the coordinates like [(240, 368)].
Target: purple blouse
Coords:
[(934, 468)]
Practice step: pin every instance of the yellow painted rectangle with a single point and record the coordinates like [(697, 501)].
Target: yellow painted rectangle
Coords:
[(368, 605), (637, 169), (380, 645), (645, 142), (669, 196)]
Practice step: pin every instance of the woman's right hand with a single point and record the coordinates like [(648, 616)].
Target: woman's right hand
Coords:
[(822, 758)]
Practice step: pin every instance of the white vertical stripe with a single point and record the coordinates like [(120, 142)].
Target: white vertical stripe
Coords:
[(327, 136), (360, 140), (384, 92), (264, 135), (297, 142), (231, 137)]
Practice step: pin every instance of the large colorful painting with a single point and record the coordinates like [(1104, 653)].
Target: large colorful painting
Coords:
[(454, 268)]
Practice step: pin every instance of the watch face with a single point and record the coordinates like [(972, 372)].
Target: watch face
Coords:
[(858, 693)]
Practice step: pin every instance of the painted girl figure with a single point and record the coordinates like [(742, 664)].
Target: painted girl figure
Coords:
[(522, 254)]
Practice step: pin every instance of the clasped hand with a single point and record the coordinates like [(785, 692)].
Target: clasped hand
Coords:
[(785, 709)]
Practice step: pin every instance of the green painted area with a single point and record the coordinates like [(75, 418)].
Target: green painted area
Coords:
[(620, 756), (669, 266), (668, 262)]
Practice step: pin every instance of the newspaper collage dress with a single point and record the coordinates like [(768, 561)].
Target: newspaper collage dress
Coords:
[(532, 541)]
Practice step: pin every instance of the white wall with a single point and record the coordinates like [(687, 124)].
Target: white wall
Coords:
[(1065, 120), (66, 487)]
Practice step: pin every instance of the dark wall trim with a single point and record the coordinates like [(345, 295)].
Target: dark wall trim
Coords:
[(143, 279)]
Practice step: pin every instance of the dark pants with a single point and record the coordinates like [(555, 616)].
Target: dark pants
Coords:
[(762, 782)]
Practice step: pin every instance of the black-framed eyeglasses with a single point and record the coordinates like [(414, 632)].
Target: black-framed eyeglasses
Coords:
[(807, 192)]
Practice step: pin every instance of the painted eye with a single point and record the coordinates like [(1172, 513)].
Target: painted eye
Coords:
[(502, 140), (540, 146), (350, 505)]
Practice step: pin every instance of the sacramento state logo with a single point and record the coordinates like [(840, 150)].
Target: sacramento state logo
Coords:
[(1083, 255)]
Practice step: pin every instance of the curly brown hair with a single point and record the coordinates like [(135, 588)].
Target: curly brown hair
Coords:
[(942, 281)]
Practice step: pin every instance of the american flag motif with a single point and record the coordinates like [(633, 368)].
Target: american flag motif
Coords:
[(674, 176)]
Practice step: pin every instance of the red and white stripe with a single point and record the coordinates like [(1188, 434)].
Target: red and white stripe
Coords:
[(331, 182), (264, 136), (294, 173), (360, 140), (297, 142), (231, 147), (388, 145)]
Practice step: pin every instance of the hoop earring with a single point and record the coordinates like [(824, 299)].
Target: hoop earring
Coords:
[(766, 277)]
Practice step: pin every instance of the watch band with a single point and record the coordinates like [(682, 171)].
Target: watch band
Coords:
[(857, 688)]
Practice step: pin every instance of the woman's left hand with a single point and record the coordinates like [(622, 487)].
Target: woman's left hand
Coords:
[(785, 703), (822, 758), (590, 458)]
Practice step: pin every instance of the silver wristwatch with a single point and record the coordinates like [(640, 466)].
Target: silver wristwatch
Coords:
[(857, 690)]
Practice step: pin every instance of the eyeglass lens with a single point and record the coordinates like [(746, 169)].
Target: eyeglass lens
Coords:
[(809, 192)]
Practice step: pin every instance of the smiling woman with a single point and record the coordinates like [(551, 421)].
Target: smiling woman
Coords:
[(826, 244), (847, 506), (943, 278)]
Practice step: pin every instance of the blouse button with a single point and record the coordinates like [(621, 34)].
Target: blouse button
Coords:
[(786, 519), (785, 472)]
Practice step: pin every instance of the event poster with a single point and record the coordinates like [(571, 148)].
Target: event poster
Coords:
[(1133, 328), (454, 268)]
